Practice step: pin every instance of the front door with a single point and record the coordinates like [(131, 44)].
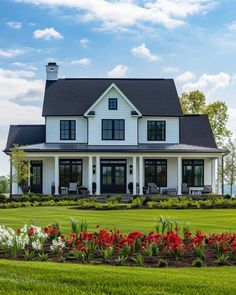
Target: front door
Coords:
[(113, 176), (36, 180)]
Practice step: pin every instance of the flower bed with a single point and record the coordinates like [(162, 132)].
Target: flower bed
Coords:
[(162, 248)]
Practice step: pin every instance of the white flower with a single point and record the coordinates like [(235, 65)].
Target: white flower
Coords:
[(37, 245), (57, 244)]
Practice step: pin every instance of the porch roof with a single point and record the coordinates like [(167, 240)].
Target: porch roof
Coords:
[(162, 147)]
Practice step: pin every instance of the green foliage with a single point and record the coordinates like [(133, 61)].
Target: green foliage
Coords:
[(121, 259), (4, 184), (3, 198), (25, 198), (35, 198), (138, 202), (194, 102), (197, 263), (29, 255), (162, 263), (163, 224), (222, 259), (139, 260)]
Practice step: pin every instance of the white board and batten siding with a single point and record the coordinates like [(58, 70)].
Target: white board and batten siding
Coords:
[(102, 112), (172, 129), (53, 129)]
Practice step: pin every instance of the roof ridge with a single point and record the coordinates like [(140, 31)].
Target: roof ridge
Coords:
[(121, 79)]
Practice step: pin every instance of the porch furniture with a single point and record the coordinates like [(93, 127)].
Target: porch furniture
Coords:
[(196, 192), (185, 189), (72, 187), (169, 191), (64, 190), (153, 188), (207, 189), (83, 191)]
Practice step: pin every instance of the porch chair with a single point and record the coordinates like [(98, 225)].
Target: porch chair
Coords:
[(170, 191), (153, 188), (72, 187), (207, 189), (185, 189)]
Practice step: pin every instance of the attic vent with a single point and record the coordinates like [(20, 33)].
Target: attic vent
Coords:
[(91, 113), (134, 113)]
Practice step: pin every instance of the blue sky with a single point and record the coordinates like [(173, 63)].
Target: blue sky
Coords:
[(193, 41)]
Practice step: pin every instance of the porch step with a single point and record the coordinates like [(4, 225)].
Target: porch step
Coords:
[(126, 199), (102, 199)]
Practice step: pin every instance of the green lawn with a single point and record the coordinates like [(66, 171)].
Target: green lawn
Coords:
[(51, 278), (126, 220)]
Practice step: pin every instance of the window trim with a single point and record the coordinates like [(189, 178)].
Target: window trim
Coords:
[(69, 130), (193, 165), (113, 129), (156, 160), (109, 101), (160, 121)]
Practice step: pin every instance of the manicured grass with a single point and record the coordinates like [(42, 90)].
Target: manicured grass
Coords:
[(51, 278), (211, 220)]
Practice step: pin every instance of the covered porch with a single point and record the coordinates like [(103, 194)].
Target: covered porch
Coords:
[(122, 173)]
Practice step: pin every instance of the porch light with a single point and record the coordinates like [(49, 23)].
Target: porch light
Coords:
[(94, 169), (130, 169)]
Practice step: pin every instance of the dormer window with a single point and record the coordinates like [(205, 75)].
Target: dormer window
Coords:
[(67, 130), (112, 103)]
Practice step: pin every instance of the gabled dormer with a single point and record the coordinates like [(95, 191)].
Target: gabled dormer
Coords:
[(112, 119)]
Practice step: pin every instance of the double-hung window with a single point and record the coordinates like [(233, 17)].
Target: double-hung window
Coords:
[(67, 130), (113, 129), (156, 130), (193, 172), (112, 103)]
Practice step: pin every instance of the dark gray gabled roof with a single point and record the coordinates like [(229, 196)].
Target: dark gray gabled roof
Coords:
[(196, 130), (23, 135), (152, 97)]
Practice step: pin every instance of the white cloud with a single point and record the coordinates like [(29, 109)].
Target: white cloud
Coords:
[(14, 24), (118, 71), (20, 86), (232, 26), (122, 14), (209, 83), (47, 34), (185, 77), (10, 53), (170, 69), (24, 66), (84, 42), (143, 52), (82, 61)]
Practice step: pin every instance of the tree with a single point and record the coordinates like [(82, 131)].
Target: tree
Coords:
[(194, 102), (4, 184), (228, 172), (22, 168)]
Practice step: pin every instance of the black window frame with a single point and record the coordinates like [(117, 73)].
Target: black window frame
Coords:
[(155, 163), (112, 129), (193, 163), (160, 135), (70, 163), (112, 103), (71, 130)]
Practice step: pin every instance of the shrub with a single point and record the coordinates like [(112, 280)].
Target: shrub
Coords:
[(25, 198), (138, 202), (3, 199), (197, 263), (46, 198), (114, 199), (35, 198), (162, 263)]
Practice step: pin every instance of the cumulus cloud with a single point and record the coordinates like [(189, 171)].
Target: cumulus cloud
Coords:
[(118, 71), (11, 53), (232, 26), (82, 61), (24, 66), (185, 77), (14, 24), (143, 52), (120, 13), (84, 42), (47, 34), (20, 86), (209, 83)]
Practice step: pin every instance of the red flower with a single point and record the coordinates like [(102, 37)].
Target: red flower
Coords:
[(187, 234), (73, 235)]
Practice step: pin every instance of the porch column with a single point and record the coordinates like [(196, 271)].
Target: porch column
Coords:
[(219, 179), (29, 173), (56, 158), (134, 175), (90, 174), (179, 182), (98, 175), (213, 175), (141, 175)]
